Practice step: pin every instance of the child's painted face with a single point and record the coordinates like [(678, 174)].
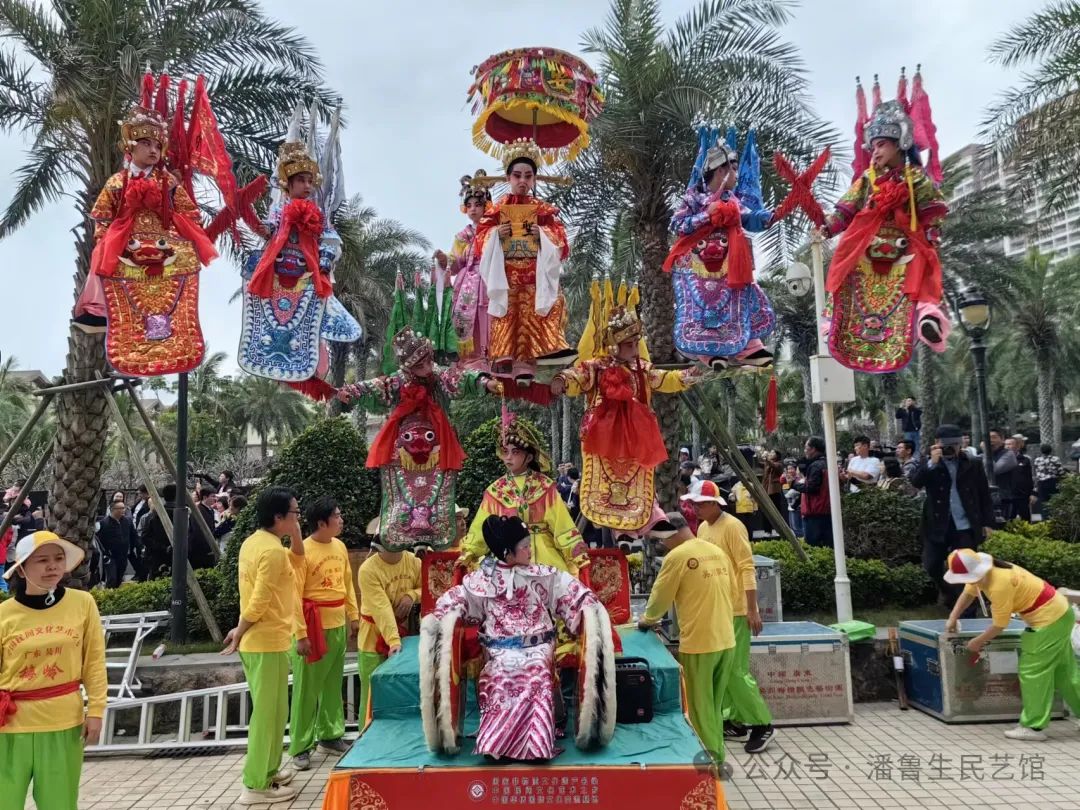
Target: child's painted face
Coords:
[(884, 153), (515, 459), (301, 185), (474, 209), (522, 178), (522, 554)]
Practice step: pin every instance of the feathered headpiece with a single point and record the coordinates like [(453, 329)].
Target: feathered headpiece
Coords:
[(411, 348), (476, 186), (622, 325)]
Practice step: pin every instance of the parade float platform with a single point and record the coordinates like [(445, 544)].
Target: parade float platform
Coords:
[(657, 765)]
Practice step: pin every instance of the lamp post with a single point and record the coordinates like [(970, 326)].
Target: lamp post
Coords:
[(975, 314)]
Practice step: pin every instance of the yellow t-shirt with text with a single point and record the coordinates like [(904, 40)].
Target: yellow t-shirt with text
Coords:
[(267, 593), (40, 649), (729, 534), (381, 585), (694, 576), (323, 575)]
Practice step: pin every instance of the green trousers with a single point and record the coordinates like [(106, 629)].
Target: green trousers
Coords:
[(318, 712), (268, 678), (1048, 665), (743, 702), (707, 677), (51, 760), (367, 661)]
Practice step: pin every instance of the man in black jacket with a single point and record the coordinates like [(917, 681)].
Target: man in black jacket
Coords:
[(1023, 478), (909, 415), (117, 536), (158, 543), (957, 512)]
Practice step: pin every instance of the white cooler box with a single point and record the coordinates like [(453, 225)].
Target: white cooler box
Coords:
[(804, 673), (942, 681)]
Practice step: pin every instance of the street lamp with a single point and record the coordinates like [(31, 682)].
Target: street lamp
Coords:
[(975, 315)]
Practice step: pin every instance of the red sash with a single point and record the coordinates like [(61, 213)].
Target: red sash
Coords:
[(305, 216), (8, 699), (623, 427), (313, 622), (740, 258), (415, 398), (381, 647), (1045, 595)]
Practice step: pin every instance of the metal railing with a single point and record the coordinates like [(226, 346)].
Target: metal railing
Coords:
[(126, 659)]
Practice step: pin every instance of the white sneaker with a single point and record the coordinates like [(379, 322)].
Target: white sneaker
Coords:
[(284, 776), (272, 795), (1025, 733)]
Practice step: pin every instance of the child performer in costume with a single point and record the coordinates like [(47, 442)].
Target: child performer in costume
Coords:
[(289, 305), (694, 577), (417, 451), (389, 587), (522, 245), (620, 438), (470, 310), (51, 644), (149, 246), (743, 705), (264, 638), (1047, 661), (721, 314), (327, 615), (516, 602), (527, 493), (884, 280)]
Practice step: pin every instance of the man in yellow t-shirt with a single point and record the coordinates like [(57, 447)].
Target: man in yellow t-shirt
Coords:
[(389, 587), (694, 577), (1047, 661), (326, 603), (743, 705), (264, 636)]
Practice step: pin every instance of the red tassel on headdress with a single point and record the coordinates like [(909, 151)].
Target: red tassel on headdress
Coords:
[(861, 162), (771, 418), (923, 122), (161, 101), (901, 91), (875, 94), (179, 156), (146, 95)]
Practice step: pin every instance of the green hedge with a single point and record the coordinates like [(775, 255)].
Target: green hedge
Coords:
[(808, 586), (1065, 510), (880, 525), (1055, 561)]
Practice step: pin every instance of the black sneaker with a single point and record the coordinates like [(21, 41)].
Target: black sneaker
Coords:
[(762, 358), (930, 330), (719, 363), (734, 731), (759, 739)]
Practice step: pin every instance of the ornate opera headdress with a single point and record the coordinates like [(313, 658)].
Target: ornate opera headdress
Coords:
[(524, 435), (521, 149), (141, 123), (476, 187), (909, 122), (622, 325), (411, 348), (295, 155)]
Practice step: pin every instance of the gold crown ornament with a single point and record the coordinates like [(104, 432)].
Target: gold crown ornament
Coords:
[(411, 348), (476, 186), (527, 438), (623, 325), (140, 123), (521, 149), (294, 158)]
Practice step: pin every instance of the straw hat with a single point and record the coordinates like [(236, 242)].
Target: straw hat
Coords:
[(32, 542)]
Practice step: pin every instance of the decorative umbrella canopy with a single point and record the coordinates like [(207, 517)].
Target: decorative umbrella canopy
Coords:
[(543, 94)]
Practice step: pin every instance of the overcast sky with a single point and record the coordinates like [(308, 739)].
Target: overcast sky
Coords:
[(403, 70)]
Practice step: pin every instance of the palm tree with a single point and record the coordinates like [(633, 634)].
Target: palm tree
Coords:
[(72, 74), (270, 409), (1037, 124), (724, 61), (374, 250)]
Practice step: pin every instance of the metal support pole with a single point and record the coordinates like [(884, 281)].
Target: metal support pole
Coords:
[(20, 437), (978, 356), (178, 605), (9, 518), (842, 584)]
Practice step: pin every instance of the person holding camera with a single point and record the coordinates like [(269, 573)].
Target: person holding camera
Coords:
[(957, 511)]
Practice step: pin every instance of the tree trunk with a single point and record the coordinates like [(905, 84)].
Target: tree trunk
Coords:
[(695, 439), (731, 394), (555, 434), (1058, 410), (657, 315), (567, 429), (927, 394), (889, 392), (82, 431), (1045, 388), (264, 445), (811, 412)]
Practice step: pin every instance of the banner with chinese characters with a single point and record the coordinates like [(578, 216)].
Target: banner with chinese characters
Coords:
[(615, 788)]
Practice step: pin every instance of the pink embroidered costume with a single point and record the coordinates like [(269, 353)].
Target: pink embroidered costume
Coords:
[(470, 308), (516, 606)]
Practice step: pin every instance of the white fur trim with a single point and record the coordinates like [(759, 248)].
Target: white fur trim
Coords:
[(596, 715), (436, 662)]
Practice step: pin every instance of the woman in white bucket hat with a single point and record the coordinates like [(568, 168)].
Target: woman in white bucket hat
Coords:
[(51, 646), (1047, 664)]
